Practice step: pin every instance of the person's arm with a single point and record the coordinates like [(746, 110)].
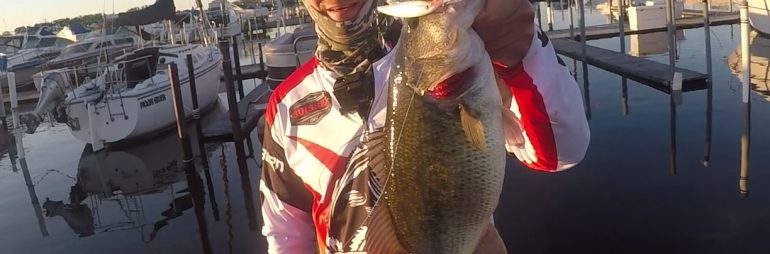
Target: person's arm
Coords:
[(286, 204), (545, 127)]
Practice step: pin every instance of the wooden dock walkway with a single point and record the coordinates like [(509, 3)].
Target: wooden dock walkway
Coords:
[(645, 71), (250, 108), (611, 30)]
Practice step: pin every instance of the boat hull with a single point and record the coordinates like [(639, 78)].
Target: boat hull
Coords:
[(119, 118)]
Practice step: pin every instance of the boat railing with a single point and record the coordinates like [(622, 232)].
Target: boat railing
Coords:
[(297, 41)]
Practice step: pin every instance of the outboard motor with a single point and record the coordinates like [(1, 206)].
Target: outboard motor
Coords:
[(53, 90)]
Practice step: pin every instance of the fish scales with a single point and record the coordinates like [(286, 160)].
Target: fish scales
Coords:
[(442, 189)]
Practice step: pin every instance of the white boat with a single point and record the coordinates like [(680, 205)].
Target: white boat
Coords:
[(132, 97), (41, 46), (98, 48), (97, 43), (11, 44), (229, 22), (759, 15)]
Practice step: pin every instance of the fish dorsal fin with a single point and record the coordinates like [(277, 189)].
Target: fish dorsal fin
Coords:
[(473, 128), (381, 236)]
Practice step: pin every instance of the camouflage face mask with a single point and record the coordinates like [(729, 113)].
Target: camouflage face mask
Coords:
[(344, 47)]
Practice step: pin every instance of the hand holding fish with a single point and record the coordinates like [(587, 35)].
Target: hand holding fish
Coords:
[(506, 28)]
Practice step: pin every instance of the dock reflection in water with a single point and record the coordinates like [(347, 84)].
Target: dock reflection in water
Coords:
[(122, 178), (138, 196)]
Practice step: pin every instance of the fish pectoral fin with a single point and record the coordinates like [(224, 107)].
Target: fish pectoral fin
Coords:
[(490, 242), (381, 236), (473, 128), (514, 135)]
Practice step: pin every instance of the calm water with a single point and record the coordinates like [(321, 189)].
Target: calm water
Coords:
[(624, 198)]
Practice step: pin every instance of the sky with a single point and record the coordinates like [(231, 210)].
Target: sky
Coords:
[(16, 13)]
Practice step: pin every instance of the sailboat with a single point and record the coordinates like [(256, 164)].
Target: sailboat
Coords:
[(131, 97)]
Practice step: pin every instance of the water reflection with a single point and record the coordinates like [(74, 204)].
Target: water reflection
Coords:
[(114, 183), (32, 194), (759, 49), (760, 64), (648, 44), (651, 43)]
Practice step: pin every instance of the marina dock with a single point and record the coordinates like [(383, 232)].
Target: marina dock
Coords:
[(645, 71), (250, 108), (611, 30)]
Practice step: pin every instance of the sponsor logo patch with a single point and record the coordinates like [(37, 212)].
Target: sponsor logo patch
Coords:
[(311, 109)]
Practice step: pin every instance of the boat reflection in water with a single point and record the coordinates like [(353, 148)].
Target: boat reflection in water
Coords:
[(651, 43), (108, 194), (759, 49), (760, 64)]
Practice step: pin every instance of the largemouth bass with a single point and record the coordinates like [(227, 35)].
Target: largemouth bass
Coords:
[(444, 136)]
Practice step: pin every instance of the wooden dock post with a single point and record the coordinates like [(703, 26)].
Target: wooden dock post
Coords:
[(15, 115), (238, 136), (179, 116), (237, 62), (622, 36), (709, 83), (261, 57), (571, 20), (583, 59), (232, 102), (539, 16), (199, 132), (549, 15), (238, 74), (746, 83), (251, 41), (671, 30), (3, 69), (196, 110)]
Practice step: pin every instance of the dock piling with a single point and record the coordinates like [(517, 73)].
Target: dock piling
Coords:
[(237, 62), (622, 37), (241, 93), (196, 110), (179, 115), (232, 102), (3, 69), (746, 82), (709, 91), (583, 59), (15, 115), (261, 57)]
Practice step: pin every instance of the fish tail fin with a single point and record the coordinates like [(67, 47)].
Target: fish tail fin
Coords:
[(381, 235), (473, 128)]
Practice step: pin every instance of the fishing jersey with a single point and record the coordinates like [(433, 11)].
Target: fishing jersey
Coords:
[(316, 183)]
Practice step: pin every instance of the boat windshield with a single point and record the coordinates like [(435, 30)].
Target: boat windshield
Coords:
[(11, 44), (76, 48), (46, 42)]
